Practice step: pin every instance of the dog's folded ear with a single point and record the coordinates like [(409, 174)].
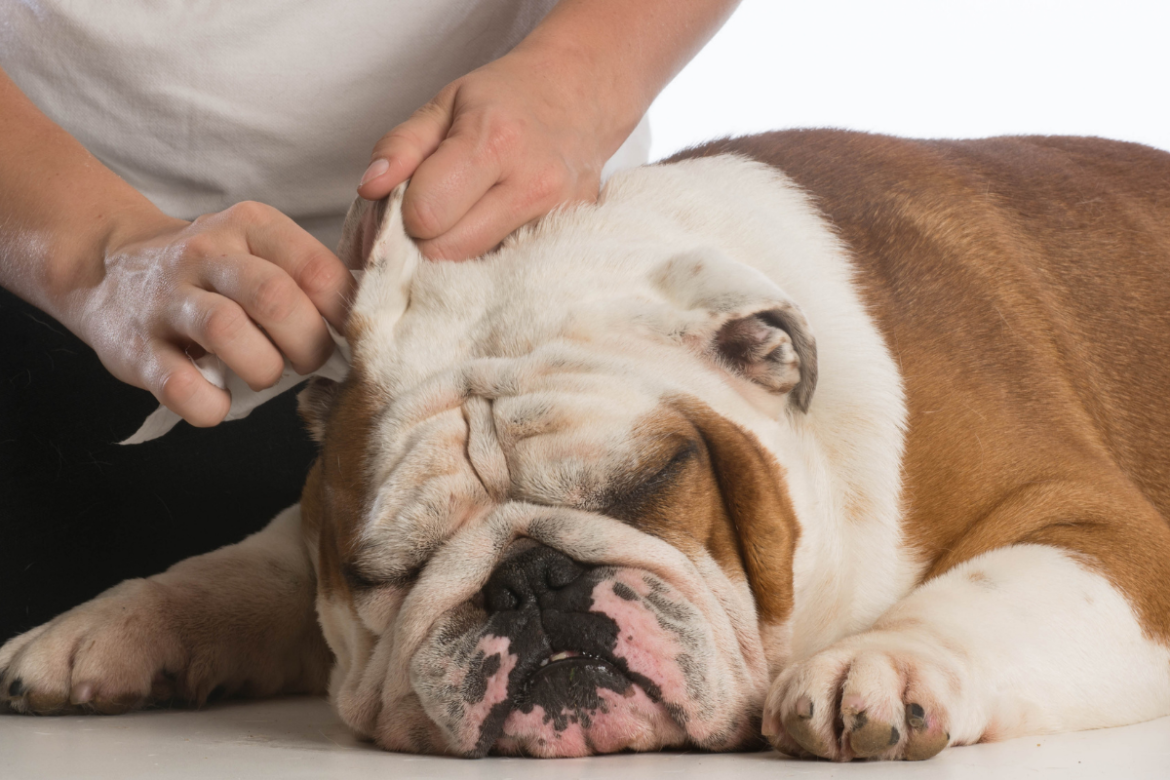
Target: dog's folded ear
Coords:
[(744, 321), (773, 348), (374, 239), (373, 233)]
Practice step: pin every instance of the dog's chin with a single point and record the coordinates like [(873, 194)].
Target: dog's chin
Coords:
[(579, 709), (576, 704)]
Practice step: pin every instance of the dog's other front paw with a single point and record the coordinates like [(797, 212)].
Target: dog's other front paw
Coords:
[(881, 694), (109, 655)]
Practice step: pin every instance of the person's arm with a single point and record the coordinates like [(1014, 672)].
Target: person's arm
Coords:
[(144, 289), (530, 131)]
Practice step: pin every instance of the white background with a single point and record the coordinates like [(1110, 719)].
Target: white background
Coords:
[(928, 69)]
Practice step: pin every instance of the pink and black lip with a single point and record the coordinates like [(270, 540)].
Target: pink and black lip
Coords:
[(542, 602)]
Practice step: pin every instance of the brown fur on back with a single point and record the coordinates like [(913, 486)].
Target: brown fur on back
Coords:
[(1023, 287)]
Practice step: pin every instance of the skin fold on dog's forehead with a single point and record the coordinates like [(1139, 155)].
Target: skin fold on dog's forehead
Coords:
[(580, 324), (566, 334)]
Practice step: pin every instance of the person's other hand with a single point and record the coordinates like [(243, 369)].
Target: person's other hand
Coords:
[(495, 150), (247, 284)]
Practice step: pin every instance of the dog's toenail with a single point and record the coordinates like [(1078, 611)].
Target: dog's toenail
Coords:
[(17, 688), (804, 708), (917, 716), (871, 738)]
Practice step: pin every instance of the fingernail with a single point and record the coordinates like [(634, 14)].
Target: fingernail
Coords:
[(376, 169)]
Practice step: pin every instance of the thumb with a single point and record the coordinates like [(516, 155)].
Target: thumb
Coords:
[(399, 152)]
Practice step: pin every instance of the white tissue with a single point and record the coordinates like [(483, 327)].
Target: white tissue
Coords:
[(244, 398)]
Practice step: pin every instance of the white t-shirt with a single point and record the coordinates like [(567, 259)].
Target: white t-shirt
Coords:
[(200, 104)]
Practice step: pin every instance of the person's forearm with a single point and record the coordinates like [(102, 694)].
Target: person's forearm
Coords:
[(59, 207), (630, 50)]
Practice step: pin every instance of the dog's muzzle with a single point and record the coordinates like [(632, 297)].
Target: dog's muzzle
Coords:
[(564, 646), (542, 600)]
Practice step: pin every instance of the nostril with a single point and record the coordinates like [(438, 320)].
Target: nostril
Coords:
[(528, 578), (561, 572)]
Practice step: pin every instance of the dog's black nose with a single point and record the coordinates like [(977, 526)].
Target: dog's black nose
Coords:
[(532, 578)]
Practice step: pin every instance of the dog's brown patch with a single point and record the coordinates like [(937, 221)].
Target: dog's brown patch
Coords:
[(706, 486), (337, 488)]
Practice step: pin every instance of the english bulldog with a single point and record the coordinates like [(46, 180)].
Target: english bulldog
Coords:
[(854, 444)]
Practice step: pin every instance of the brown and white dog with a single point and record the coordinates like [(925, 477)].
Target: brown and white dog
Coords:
[(857, 442)]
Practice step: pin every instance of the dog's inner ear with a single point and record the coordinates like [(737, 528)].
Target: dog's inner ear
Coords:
[(315, 403), (774, 349), (743, 320)]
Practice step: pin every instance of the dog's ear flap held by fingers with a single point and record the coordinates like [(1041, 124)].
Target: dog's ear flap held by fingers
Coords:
[(743, 320), (373, 235), (374, 245)]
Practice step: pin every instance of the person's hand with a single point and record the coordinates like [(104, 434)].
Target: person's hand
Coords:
[(246, 284), (495, 150)]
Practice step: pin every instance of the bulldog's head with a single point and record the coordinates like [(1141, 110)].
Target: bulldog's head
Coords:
[(551, 511)]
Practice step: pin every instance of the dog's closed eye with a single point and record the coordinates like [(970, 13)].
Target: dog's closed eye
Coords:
[(643, 490), (360, 579)]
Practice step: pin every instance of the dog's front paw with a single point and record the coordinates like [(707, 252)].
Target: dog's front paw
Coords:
[(109, 655), (882, 694)]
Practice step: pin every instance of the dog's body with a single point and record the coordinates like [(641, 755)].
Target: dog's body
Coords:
[(871, 453)]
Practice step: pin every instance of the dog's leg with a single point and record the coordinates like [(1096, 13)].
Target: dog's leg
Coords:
[(1021, 640), (239, 620)]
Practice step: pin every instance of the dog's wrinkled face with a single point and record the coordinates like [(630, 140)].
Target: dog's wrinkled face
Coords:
[(535, 534)]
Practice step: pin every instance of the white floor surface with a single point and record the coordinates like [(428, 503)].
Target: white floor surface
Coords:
[(301, 738)]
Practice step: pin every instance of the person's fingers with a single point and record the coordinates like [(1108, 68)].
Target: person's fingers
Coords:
[(504, 208), (273, 301), (398, 154), (177, 384), (273, 236), (447, 184), (221, 327)]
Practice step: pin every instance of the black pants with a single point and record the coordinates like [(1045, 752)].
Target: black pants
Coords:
[(79, 513)]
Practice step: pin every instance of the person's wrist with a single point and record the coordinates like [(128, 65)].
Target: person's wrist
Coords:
[(136, 224), (83, 257), (584, 81)]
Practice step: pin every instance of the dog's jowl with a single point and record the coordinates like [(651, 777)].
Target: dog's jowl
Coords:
[(851, 445)]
